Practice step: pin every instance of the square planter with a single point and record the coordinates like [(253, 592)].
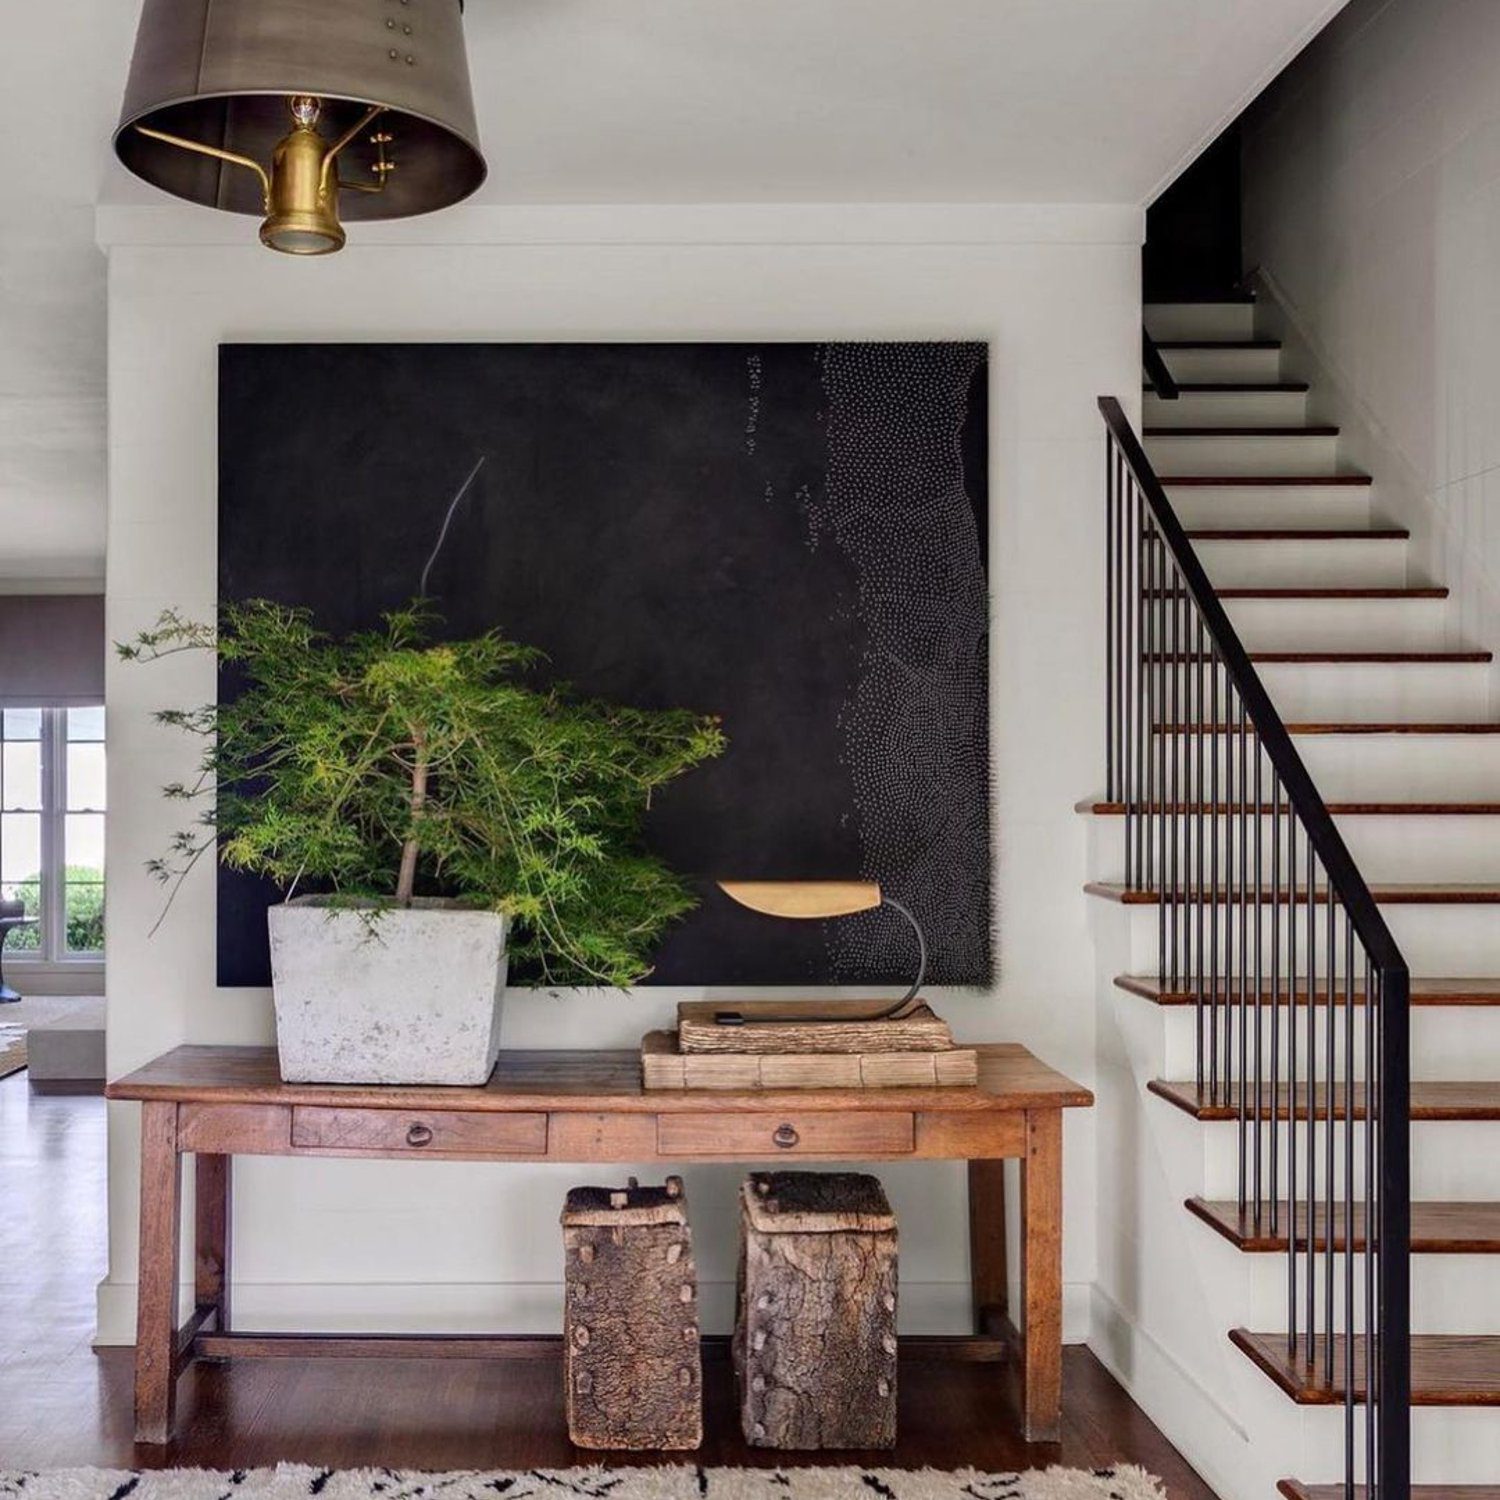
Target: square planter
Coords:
[(386, 995)]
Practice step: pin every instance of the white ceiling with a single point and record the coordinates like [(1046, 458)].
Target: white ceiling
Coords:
[(643, 101)]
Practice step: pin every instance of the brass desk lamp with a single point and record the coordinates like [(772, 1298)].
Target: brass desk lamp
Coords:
[(819, 900)]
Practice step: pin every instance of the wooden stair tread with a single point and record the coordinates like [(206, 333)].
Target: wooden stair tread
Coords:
[(1425, 991), (1255, 481), (1225, 432), (1230, 387), (1217, 343), (1295, 1489), (1447, 1369), (1333, 658), (1439, 1101), (1299, 534), (1354, 726), (1436, 1228), (1389, 893), (1102, 809), (1403, 592)]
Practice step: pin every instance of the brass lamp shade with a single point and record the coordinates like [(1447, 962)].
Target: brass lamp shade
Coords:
[(303, 111)]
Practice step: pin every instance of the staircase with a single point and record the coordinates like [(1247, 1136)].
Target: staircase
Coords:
[(1223, 878)]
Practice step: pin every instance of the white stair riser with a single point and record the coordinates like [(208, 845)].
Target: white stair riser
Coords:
[(1272, 505), (1342, 624), (1423, 848), (1448, 1042), (1378, 767), (1449, 1159), (1335, 691), (1371, 562), (1338, 624), (1243, 455), (1249, 365), (1449, 939), (1449, 1293), (1200, 320), (1226, 409)]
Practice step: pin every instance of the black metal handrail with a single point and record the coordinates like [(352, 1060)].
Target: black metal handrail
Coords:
[(1200, 762)]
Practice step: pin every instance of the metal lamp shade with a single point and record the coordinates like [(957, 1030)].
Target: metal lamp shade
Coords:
[(220, 72)]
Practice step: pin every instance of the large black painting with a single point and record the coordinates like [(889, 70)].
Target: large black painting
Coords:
[(791, 536)]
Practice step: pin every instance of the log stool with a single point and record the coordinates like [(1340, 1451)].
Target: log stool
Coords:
[(815, 1327), (633, 1372)]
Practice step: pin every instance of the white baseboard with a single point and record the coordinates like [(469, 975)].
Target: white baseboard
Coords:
[(1206, 1432), (509, 1307)]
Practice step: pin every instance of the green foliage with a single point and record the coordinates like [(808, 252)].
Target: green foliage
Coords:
[(83, 911), (385, 765)]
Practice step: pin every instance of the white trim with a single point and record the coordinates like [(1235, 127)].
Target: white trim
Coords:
[(1175, 1399), (170, 223)]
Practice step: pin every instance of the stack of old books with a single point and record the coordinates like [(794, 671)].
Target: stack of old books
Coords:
[(817, 1045)]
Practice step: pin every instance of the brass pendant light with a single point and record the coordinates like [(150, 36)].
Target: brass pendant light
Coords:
[(303, 112)]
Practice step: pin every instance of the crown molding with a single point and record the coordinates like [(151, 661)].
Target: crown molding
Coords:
[(770, 224)]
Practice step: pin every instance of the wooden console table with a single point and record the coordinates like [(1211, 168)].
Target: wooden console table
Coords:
[(217, 1103)]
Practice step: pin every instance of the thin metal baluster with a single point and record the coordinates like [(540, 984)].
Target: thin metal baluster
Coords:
[(1258, 896), (1330, 1088), (1169, 754), (1154, 714), (1312, 1109), (1193, 831), (1349, 1134), (1142, 680), (1179, 765), (1291, 1078), (1131, 732), (1246, 964), (1200, 797), (1215, 912), (1277, 814), (1231, 823), (1111, 523), (1372, 1222)]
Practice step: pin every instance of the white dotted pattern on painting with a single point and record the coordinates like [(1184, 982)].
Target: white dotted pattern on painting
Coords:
[(916, 725)]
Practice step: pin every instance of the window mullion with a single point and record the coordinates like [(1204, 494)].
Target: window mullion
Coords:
[(54, 840)]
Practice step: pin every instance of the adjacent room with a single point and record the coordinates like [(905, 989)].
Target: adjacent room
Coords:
[(745, 752)]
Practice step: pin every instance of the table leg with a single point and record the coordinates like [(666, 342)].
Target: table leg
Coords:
[(213, 1196), (156, 1286), (1041, 1242), (987, 1255)]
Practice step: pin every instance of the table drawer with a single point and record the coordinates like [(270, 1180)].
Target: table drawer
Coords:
[(798, 1133), (419, 1133)]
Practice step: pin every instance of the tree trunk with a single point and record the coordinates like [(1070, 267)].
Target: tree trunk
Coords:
[(815, 1334), (406, 881)]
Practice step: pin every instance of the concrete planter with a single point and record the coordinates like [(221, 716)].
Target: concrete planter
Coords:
[(400, 995)]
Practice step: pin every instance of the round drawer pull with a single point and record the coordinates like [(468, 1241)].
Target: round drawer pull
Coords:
[(786, 1137), (419, 1135)]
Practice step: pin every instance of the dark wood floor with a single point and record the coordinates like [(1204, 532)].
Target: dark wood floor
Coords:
[(62, 1404)]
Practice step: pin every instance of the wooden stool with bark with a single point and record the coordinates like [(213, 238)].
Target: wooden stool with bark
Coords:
[(634, 1376), (815, 1329)]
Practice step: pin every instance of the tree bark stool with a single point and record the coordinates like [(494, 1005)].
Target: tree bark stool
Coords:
[(633, 1372), (815, 1328)]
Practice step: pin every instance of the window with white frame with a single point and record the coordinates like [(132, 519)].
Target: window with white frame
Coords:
[(52, 830)]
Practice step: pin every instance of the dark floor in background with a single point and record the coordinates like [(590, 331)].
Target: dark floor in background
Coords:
[(62, 1404)]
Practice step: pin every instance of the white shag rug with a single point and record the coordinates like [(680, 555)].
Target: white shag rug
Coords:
[(678, 1482)]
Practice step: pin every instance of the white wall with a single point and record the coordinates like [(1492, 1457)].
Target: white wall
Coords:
[(1372, 209), (1055, 291)]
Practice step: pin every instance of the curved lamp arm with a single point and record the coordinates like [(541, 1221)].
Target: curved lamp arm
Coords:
[(218, 153), (820, 900)]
